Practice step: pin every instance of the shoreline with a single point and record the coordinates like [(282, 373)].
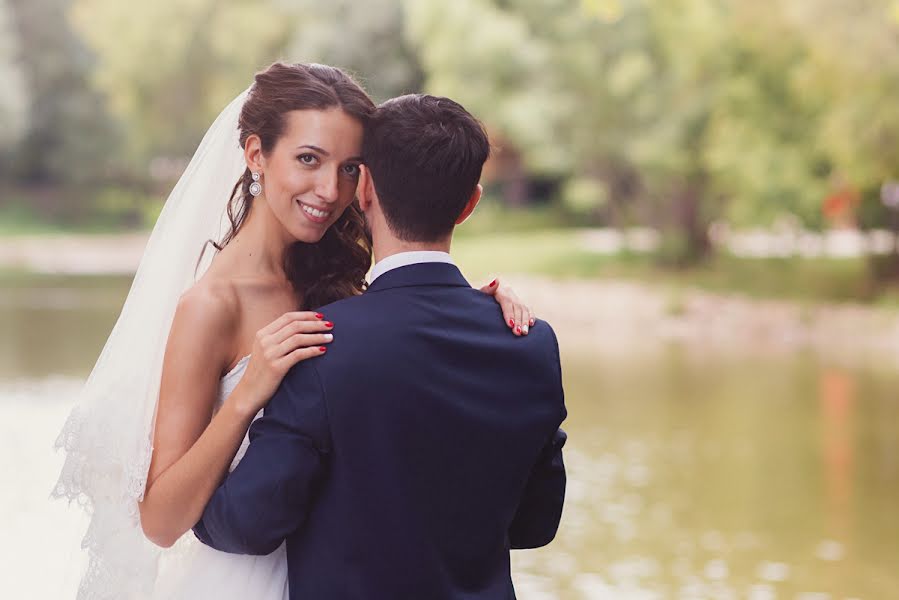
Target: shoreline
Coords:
[(614, 318), (610, 316), (74, 254)]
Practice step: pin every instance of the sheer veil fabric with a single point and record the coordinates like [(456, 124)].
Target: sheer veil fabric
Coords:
[(108, 435)]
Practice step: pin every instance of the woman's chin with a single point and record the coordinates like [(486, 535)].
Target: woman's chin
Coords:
[(308, 235)]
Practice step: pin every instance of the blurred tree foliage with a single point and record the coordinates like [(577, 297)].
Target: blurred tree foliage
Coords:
[(13, 94), (679, 112), (185, 59), (67, 137), (368, 42), (673, 114), (172, 65)]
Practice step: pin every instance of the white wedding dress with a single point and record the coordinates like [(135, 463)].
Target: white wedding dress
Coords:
[(108, 437), (192, 571)]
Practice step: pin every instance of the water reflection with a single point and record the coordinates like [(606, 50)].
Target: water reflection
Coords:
[(54, 325), (837, 397), (697, 476), (693, 474)]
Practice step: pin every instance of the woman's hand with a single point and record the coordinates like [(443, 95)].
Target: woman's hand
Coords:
[(293, 337), (517, 316)]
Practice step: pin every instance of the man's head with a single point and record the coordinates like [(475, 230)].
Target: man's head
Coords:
[(424, 157)]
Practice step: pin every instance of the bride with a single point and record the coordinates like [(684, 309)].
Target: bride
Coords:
[(165, 412)]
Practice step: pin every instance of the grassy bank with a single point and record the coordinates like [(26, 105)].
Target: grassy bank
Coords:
[(53, 211), (560, 253)]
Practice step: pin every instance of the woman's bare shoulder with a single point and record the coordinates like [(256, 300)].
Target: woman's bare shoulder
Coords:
[(209, 310)]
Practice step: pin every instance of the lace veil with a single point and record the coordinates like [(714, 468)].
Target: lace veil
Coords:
[(108, 435)]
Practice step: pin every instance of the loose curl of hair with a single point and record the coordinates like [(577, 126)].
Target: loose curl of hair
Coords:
[(335, 266)]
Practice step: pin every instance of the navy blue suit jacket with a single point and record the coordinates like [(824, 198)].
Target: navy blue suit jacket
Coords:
[(408, 460)]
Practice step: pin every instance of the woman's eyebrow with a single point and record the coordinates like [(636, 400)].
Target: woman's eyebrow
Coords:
[(316, 148), (327, 154)]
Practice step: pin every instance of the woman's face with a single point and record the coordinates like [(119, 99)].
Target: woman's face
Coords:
[(310, 176)]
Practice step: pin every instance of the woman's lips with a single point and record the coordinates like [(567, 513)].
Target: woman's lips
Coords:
[(314, 214)]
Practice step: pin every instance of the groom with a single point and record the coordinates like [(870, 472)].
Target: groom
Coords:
[(408, 460)]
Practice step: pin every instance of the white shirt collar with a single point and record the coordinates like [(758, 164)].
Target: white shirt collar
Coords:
[(402, 259)]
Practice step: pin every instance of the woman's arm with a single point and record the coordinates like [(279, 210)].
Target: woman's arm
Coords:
[(192, 450)]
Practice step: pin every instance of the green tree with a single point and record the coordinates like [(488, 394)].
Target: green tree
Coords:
[(487, 57), (571, 88), (713, 119), (174, 64), (13, 95), (800, 113), (854, 64), (681, 112), (68, 138), (366, 41)]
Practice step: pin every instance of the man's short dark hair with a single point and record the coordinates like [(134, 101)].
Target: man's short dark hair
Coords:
[(425, 156)]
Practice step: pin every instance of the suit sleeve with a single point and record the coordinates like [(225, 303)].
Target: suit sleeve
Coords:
[(270, 493), (540, 510)]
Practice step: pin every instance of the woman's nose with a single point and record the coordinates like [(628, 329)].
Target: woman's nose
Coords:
[(327, 185)]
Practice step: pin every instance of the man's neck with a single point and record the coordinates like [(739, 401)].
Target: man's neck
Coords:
[(384, 248)]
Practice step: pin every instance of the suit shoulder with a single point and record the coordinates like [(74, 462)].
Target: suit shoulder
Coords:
[(544, 328), (344, 305)]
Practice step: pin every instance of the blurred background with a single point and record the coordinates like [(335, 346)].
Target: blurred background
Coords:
[(700, 195)]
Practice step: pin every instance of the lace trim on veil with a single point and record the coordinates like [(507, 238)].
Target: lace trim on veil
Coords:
[(108, 436)]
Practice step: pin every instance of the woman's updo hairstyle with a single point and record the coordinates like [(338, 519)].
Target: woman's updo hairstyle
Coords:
[(334, 267)]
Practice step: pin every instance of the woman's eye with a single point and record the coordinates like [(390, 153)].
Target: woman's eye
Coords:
[(351, 170), (308, 159)]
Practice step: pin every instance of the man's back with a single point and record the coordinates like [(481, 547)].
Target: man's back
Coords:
[(437, 415), (407, 461)]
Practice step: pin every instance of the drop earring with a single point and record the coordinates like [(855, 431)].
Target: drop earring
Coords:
[(255, 187)]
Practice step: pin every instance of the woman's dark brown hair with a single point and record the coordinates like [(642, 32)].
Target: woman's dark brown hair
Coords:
[(335, 266)]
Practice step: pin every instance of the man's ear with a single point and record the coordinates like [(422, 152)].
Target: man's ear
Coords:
[(471, 204), (365, 188)]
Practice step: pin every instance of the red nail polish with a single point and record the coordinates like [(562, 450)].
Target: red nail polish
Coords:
[(518, 330), (319, 316), (511, 322), (329, 324), (322, 349), (493, 283)]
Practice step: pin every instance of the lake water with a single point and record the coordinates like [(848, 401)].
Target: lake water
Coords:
[(692, 474)]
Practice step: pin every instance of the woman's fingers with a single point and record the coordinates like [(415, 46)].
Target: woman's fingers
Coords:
[(301, 354), (514, 312), (508, 315), (490, 288), (302, 340), (274, 326), (521, 323), (525, 318), (286, 318), (505, 303), (299, 326), (517, 315)]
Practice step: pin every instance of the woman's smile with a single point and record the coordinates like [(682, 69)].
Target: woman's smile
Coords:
[(315, 214)]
